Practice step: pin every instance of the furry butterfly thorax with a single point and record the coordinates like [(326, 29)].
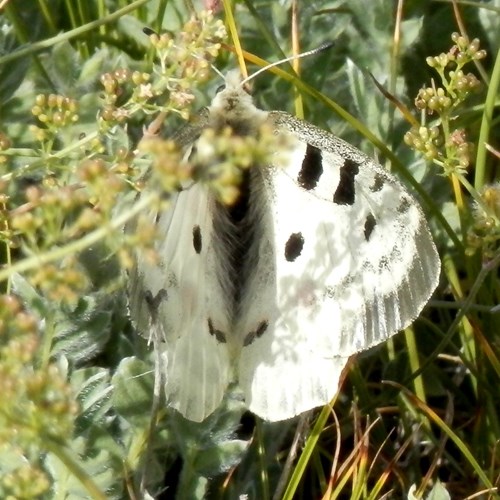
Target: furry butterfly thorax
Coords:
[(318, 259)]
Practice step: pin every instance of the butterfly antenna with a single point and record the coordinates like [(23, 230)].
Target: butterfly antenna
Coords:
[(217, 71), (321, 48)]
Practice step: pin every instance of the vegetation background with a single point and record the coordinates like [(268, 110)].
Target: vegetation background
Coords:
[(416, 418)]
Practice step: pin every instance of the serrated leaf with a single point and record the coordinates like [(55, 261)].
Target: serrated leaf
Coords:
[(192, 487), (94, 67), (83, 334), (94, 393), (490, 23), (97, 466), (132, 28), (132, 397), (220, 458), (11, 80), (64, 68), (117, 138), (215, 430), (371, 110), (29, 296), (410, 30)]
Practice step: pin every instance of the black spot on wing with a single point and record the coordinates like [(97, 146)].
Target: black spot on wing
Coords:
[(263, 325), (197, 242), (378, 182), (370, 224), (383, 263), (312, 168), (345, 192), (153, 303), (404, 205), (250, 337), (220, 336), (172, 281), (294, 246)]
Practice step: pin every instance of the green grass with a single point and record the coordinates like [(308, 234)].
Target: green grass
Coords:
[(77, 383)]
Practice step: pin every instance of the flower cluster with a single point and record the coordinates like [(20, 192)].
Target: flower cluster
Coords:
[(37, 403), (484, 233), (182, 62), (54, 112), (221, 158), (75, 191), (440, 142), (74, 186)]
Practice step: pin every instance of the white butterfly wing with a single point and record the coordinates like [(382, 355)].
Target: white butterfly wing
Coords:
[(345, 261), (338, 259), (181, 298)]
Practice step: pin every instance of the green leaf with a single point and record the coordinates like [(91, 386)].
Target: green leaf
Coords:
[(132, 397), (81, 334), (94, 394), (97, 466), (220, 458), (64, 66)]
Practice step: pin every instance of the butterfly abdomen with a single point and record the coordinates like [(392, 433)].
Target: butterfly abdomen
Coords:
[(236, 234)]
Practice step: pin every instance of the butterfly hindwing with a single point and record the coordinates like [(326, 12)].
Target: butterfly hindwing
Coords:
[(186, 304)]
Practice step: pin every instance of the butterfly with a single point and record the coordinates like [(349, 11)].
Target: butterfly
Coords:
[(323, 257)]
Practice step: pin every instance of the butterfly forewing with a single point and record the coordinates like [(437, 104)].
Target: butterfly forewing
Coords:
[(347, 260), (393, 262)]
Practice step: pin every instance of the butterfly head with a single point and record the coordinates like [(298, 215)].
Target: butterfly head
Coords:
[(233, 107)]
